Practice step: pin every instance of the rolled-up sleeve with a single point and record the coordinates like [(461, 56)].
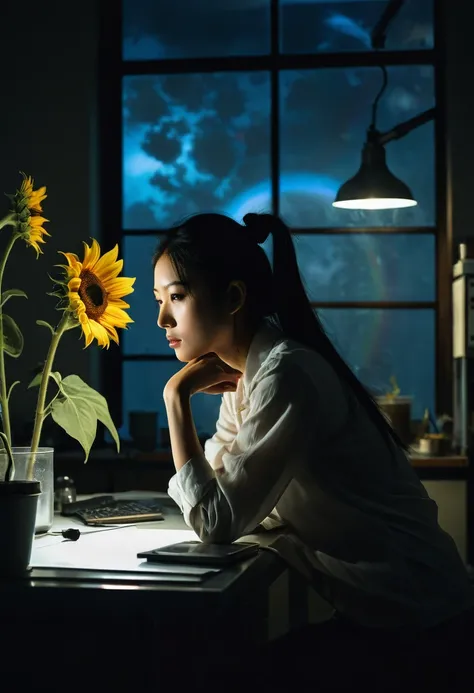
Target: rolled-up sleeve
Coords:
[(252, 468)]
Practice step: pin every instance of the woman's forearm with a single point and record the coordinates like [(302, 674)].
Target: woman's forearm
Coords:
[(184, 440)]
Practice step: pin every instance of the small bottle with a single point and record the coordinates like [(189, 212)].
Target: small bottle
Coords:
[(425, 424), (65, 492)]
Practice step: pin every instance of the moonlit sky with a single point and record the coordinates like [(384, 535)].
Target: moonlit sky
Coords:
[(201, 142)]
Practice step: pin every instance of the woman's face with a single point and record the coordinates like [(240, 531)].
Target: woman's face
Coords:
[(194, 325)]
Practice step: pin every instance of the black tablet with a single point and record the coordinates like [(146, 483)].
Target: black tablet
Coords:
[(197, 553)]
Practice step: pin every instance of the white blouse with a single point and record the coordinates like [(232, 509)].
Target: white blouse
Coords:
[(294, 449)]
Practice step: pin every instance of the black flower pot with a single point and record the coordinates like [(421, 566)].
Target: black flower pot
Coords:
[(18, 503)]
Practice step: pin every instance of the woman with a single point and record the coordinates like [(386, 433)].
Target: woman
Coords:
[(299, 443)]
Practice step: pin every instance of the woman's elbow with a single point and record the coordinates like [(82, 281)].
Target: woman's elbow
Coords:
[(214, 528)]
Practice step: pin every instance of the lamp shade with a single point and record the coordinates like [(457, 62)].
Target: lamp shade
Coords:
[(374, 186)]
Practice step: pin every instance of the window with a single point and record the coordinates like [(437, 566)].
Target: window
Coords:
[(264, 105), (193, 142)]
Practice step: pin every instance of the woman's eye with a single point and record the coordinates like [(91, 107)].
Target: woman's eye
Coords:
[(176, 297)]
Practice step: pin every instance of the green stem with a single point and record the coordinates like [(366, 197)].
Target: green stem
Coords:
[(49, 408), (64, 325), (8, 220), (10, 473), (3, 380)]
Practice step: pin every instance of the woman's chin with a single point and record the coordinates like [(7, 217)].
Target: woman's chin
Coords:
[(184, 356)]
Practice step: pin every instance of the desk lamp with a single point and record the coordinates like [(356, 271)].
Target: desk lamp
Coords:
[(374, 186)]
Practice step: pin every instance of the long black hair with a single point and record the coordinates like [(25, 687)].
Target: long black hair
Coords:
[(219, 250)]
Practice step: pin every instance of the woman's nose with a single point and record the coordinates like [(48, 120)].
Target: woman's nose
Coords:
[(165, 319)]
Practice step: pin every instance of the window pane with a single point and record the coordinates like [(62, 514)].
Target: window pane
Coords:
[(375, 343), (159, 29), (195, 143), (323, 26), (144, 337), (143, 383), (324, 118), (367, 267)]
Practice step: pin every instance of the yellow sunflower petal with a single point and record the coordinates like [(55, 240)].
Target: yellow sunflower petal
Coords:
[(117, 315), (26, 187), (111, 331), (36, 248), (91, 254), (100, 333), (35, 237), (118, 303), (26, 196), (36, 197), (108, 259), (87, 332), (74, 284), (75, 267), (121, 286), (37, 220), (111, 273)]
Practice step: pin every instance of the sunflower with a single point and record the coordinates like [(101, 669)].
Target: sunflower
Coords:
[(27, 210), (33, 198), (94, 293)]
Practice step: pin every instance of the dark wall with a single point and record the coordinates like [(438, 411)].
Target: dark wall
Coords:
[(48, 73), (460, 112)]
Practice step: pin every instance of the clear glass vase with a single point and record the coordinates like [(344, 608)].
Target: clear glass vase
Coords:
[(43, 471)]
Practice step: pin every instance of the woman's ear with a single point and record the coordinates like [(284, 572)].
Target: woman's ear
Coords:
[(236, 295)]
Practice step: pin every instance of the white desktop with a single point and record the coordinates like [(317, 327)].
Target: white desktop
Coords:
[(113, 548)]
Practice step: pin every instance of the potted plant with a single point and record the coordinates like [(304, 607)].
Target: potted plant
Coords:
[(397, 410), (90, 293)]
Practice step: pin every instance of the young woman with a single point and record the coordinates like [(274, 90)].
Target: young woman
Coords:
[(299, 442)]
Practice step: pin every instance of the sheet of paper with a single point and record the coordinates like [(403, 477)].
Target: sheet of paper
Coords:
[(112, 549)]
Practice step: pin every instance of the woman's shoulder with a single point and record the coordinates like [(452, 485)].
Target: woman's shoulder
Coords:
[(290, 359)]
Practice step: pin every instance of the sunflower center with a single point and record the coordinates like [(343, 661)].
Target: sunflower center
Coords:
[(93, 294)]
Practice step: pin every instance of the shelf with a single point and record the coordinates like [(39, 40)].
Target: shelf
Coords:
[(439, 461)]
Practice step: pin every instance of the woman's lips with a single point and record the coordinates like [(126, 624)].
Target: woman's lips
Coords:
[(173, 343)]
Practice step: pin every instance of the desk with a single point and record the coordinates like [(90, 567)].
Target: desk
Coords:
[(108, 618)]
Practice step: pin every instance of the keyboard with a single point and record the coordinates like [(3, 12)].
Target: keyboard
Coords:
[(105, 510)]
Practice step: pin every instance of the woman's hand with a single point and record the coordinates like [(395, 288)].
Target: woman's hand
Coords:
[(207, 374)]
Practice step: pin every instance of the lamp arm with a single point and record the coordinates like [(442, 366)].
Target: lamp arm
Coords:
[(375, 105), (378, 35), (404, 128)]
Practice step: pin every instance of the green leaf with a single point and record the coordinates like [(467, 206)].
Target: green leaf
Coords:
[(43, 323), (57, 377), (78, 419), (12, 292), (36, 380), (12, 337), (78, 409), (74, 386)]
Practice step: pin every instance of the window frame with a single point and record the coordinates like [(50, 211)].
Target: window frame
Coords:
[(112, 69)]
